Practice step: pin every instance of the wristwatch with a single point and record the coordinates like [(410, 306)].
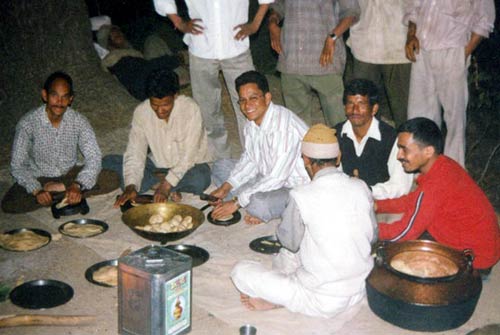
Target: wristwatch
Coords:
[(333, 36)]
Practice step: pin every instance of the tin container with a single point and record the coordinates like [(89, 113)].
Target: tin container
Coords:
[(154, 292)]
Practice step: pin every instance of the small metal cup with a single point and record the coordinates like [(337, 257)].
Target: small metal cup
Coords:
[(248, 330)]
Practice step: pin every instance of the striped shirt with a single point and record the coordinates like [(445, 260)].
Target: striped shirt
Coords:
[(41, 150), (272, 150)]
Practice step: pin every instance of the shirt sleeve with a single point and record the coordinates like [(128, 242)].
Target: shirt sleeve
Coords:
[(484, 17), (278, 7), (418, 208), (91, 152), (349, 8), (165, 7), (245, 169), (192, 134), (290, 231), (134, 159), (284, 153), (20, 159), (399, 182), (411, 10)]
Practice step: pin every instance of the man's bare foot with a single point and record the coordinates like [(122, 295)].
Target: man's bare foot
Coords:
[(53, 186), (252, 220), (176, 196), (256, 304)]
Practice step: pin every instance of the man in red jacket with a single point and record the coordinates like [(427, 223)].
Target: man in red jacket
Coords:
[(447, 204)]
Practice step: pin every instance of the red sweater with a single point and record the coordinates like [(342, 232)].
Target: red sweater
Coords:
[(452, 208)]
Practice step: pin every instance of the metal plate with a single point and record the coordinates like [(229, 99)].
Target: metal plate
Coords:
[(102, 224), (266, 245), (89, 273), (38, 294), (141, 199), (35, 230), (80, 208), (199, 255), (235, 219)]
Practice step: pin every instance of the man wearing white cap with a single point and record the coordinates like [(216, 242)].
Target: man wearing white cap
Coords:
[(326, 233)]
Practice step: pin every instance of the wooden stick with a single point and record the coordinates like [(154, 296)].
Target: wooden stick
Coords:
[(45, 320)]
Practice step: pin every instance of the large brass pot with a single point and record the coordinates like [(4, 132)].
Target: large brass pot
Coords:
[(139, 216), (423, 304)]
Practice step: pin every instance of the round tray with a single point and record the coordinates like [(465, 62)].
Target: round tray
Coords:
[(42, 293), (35, 230), (235, 219), (266, 245), (90, 271), (102, 224), (199, 255), (141, 199)]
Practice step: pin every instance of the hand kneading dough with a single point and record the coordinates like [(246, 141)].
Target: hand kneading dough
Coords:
[(23, 241), (107, 275), (82, 230)]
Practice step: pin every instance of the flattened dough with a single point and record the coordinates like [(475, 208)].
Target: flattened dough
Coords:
[(82, 230), (108, 275), (23, 241)]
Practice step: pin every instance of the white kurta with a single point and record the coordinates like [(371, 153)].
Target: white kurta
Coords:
[(327, 274)]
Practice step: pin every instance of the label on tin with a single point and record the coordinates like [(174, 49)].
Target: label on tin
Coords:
[(177, 299)]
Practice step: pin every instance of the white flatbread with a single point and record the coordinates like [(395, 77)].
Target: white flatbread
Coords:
[(108, 275), (82, 230), (23, 241)]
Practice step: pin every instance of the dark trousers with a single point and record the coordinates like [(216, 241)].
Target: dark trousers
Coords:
[(195, 180), (17, 200)]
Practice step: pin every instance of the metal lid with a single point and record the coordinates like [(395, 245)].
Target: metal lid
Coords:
[(155, 259)]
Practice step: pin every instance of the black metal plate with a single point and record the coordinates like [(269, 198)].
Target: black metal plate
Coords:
[(199, 255), (81, 208), (141, 199), (38, 294), (235, 219), (266, 245), (35, 230), (102, 224), (90, 271)]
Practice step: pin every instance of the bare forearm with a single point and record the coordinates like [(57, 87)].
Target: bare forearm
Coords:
[(259, 16), (343, 25), (474, 41)]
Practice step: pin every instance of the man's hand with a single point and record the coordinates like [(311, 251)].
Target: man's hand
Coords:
[(187, 27), (224, 209), (412, 46), (74, 194), (130, 193), (43, 197), (221, 193), (54, 187), (162, 192), (328, 51), (245, 30), (275, 35)]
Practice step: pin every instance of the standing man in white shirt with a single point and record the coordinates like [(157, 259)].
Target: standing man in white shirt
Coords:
[(170, 125), (377, 43), (217, 37), (270, 164), (368, 145)]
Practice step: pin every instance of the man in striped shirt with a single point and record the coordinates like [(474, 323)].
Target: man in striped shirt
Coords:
[(271, 162)]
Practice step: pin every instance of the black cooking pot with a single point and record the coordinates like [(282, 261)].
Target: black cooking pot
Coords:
[(423, 303)]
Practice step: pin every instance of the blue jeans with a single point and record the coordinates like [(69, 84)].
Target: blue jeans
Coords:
[(195, 181), (263, 205)]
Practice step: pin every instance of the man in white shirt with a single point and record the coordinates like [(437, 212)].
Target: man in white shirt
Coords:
[(326, 233), (377, 43), (368, 145), (217, 37), (270, 164), (170, 125)]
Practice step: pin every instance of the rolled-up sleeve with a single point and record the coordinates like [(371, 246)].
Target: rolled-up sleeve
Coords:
[(483, 18), (20, 157), (165, 7), (411, 9), (134, 158), (348, 8), (91, 152)]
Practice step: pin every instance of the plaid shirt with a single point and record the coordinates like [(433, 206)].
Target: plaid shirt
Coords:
[(306, 26), (41, 150)]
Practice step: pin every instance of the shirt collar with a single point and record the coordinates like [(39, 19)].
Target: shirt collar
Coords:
[(373, 131), (435, 168), (326, 171), (267, 121)]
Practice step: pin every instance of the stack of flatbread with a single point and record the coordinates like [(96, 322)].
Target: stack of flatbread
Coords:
[(82, 230), (23, 241), (108, 275)]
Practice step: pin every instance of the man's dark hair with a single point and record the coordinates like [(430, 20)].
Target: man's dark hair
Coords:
[(362, 87), (323, 161), (58, 75), (252, 77), (425, 132), (161, 84)]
